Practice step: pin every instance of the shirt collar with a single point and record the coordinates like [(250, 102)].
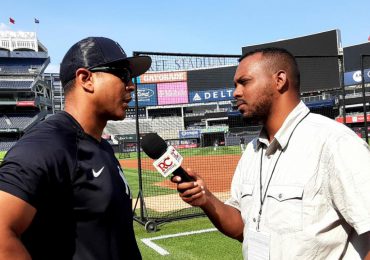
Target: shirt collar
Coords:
[(282, 136)]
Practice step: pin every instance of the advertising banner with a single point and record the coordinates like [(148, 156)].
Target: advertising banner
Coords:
[(224, 129), (353, 119), (126, 138), (163, 77), (172, 93), (30, 103), (9, 130), (211, 95), (189, 134), (355, 78), (188, 62), (146, 94)]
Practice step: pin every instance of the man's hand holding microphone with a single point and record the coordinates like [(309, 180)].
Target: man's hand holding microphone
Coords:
[(194, 192), (190, 185)]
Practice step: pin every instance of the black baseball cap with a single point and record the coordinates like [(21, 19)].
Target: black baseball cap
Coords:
[(94, 52)]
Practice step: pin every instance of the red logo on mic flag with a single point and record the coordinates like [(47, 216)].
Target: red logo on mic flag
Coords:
[(168, 162), (11, 20)]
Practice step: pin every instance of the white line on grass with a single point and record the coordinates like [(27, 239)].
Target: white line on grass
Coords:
[(160, 250)]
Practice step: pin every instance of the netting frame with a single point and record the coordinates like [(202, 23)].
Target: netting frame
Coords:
[(151, 222), (144, 217)]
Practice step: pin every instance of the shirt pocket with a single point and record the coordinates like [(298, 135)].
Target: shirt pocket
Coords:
[(283, 209), (246, 200)]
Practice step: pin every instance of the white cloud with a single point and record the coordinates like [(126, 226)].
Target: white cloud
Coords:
[(52, 68), (4, 27)]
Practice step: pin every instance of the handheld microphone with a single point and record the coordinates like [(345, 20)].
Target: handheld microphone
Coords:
[(167, 159)]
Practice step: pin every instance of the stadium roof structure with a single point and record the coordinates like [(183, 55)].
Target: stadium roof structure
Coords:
[(319, 57), (327, 43), (22, 41), (353, 55)]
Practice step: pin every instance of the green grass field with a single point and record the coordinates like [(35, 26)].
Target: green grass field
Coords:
[(221, 150), (190, 239), (151, 177), (211, 245), (169, 235)]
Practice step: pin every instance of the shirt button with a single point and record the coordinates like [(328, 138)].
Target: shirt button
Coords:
[(254, 219), (280, 196)]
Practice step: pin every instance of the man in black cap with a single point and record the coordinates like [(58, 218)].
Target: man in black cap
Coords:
[(63, 194)]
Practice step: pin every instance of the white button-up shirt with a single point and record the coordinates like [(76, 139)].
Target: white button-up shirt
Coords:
[(318, 199)]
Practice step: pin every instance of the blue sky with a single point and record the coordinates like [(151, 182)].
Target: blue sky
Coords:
[(192, 26)]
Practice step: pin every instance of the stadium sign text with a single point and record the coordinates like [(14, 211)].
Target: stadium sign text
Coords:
[(9, 130), (211, 95), (223, 129), (353, 119), (190, 63), (355, 77), (146, 95), (130, 138), (163, 77), (189, 134)]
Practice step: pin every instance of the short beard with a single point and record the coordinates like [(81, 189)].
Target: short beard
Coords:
[(261, 109)]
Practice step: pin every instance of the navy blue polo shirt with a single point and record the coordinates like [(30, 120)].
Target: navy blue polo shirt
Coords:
[(76, 184)]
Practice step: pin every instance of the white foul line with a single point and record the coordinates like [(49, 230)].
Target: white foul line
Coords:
[(160, 250)]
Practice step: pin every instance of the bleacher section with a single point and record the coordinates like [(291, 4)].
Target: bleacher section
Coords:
[(248, 133), (120, 127), (6, 144), (20, 66), (158, 125), (168, 127), (20, 120), (15, 84)]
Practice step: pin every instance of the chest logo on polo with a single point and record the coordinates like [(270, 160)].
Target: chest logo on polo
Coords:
[(128, 191), (96, 174)]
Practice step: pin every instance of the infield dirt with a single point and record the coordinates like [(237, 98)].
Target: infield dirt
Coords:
[(216, 170)]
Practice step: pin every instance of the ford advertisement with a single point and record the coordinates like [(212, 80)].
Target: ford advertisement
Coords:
[(146, 94)]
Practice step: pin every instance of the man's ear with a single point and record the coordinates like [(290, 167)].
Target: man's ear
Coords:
[(281, 80), (84, 80)]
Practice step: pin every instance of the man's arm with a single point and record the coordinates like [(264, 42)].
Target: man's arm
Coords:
[(226, 218), (367, 238), (15, 217)]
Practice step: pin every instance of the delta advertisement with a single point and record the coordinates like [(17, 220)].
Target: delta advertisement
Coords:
[(172, 93), (355, 77), (211, 95), (146, 95)]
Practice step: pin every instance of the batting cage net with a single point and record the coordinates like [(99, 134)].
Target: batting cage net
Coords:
[(187, 100)]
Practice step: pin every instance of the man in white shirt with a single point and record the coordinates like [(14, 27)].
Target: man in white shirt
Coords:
[(301, 189)]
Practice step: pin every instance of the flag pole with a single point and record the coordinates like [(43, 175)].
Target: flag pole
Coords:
[(36, 22)]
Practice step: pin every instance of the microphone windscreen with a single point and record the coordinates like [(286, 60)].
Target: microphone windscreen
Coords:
[(153, 145)]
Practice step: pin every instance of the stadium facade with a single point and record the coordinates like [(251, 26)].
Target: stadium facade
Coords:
[(186, 92), (25, 97), (187, 99)]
